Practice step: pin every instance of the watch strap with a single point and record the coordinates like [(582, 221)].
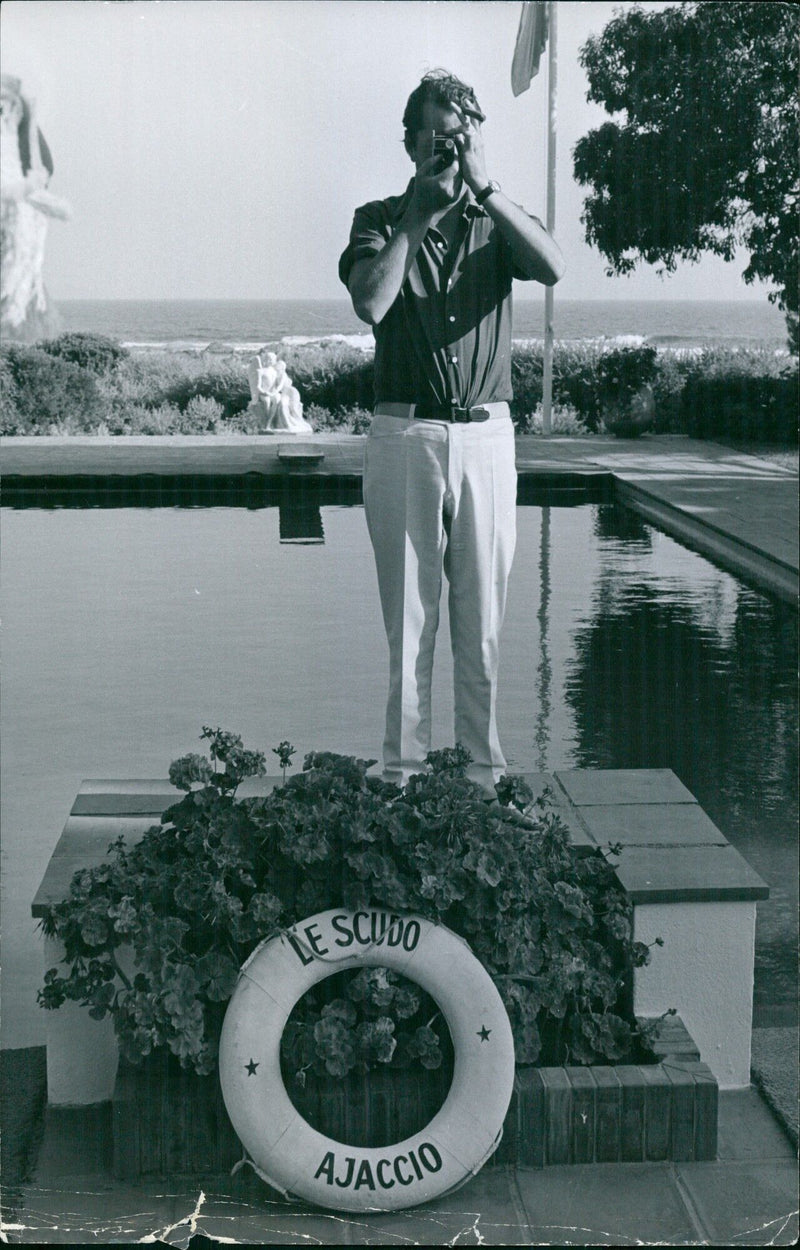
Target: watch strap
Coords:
[(483, 195)]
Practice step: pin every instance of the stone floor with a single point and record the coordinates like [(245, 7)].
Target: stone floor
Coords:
[(748, 1196)]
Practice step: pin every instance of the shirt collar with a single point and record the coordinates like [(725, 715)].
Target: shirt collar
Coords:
[(470, 208)]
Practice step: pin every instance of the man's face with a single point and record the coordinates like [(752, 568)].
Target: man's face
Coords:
[(443, 121)]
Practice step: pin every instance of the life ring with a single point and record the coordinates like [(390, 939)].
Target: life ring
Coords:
[(291, 1155)]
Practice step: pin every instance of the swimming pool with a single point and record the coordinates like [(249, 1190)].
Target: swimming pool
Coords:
[(128, 628)]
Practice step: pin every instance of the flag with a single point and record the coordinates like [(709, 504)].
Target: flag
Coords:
[(531, 43)]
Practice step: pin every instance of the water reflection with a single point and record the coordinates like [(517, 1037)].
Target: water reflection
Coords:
[(300, 521), (700, 680), (544, 670)]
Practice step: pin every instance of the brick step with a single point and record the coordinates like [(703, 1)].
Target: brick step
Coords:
[(170, 1121)]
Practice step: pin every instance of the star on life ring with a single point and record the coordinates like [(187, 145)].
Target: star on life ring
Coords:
[(291, 1155)]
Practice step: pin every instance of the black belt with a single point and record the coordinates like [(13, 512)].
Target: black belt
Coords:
[(449, 412)]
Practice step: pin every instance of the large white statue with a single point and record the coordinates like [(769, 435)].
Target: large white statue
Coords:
[(273, 400), (25, 205)]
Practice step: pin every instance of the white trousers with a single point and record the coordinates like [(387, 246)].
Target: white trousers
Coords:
[(441, 497)]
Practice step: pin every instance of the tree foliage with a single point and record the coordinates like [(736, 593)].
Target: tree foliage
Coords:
[(704, 153)]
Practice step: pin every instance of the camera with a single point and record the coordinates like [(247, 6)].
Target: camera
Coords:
[(445, 149)]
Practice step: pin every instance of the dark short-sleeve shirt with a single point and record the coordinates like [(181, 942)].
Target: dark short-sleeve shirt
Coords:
[(447, 336)]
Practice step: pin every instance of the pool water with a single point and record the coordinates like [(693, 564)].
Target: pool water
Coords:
[(128, 629)]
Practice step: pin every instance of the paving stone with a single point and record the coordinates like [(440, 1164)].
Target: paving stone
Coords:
[(485, 1211), (539, 782), (135, 803), (579, 836), (89, 1209), (748, 1204), (688, 874), (652, 824), (748, 1130), (84, 1209), (275, 1223), (596, 786), (605, 1204)]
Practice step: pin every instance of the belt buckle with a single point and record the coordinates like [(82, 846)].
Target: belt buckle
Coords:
[(479, 413)]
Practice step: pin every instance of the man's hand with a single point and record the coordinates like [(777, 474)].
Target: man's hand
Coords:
[(469, 143), (536, 254), (428, 196)]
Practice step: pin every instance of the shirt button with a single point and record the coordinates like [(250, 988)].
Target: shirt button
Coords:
[(454, 360), (451, 318), (440, 245)]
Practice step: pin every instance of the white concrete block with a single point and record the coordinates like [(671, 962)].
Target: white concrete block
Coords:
[(82, 1053), (705, 971)]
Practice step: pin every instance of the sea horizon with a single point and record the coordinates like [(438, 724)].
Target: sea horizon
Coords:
[(192, 324)]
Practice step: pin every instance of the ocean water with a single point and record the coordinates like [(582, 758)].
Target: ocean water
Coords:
[(194, 325)]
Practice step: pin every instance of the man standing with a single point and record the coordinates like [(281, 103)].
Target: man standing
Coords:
[(431, 271)]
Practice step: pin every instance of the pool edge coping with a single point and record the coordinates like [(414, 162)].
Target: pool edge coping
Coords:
[(256, 458)]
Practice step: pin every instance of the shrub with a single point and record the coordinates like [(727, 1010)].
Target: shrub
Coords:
[(563, 420), (623, 371), (164, 419), (333, 375), (44, 391), (205, 415), (761, 409), (668, 385), (199, 891), (526, 378), (9, 413), (719, 393), (226, 384), (355, 421), (244, 423), (94, 352), (587, 377), (143, 380), (360, 421), (575, 379)]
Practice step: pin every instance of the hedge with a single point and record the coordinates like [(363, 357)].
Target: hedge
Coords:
[(42, 394), (78, 384), (95, 352), (742, 408)]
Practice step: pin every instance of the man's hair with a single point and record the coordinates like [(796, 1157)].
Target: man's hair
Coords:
[(437, 87)]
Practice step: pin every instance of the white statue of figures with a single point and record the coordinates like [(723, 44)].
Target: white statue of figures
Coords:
[(273, 399), (25, 205)]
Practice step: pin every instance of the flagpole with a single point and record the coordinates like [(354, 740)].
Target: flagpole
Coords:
[(552, 76)]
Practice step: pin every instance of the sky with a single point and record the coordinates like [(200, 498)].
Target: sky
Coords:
[(216, 149)]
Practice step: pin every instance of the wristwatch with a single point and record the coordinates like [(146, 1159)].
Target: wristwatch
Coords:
[(488, 190)]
